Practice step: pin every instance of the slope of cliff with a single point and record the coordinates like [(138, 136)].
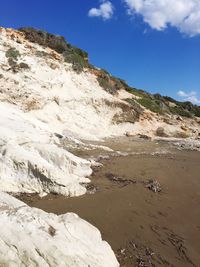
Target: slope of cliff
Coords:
[(79, 60), (43, 100), (51, 97)]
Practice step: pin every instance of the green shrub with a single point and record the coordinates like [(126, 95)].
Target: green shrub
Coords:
[(192, 109), (78, 68), (55, 42), (160, 104), (180, 111), (117, 83), (77, 61), (12, 53), (134, 104), (73, 58), (39, 53), (197, 112), (185, 109), (105, 83), (150, 104), (80, 52), (77, 57), (136, 92)]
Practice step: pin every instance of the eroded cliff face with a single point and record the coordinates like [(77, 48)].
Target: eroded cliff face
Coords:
[(44, 101), (41, 99), (46, 105)]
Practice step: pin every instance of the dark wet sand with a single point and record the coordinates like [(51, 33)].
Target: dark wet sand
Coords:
[(142, 227)]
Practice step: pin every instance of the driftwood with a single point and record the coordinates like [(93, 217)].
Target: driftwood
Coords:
[(119, 180), (151, 184)]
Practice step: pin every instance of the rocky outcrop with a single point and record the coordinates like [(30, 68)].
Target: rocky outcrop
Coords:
[(42, 97), (31, 237), (31, 160), (160, 131)]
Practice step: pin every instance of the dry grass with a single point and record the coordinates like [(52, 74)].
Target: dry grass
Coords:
[(32, 105)]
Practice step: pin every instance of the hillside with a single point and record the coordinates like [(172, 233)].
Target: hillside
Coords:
[(52, 99), (79, 59), (51, 96)]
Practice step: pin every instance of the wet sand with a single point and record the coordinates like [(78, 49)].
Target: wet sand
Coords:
[(143, 228)]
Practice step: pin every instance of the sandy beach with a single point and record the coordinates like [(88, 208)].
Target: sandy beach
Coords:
[(144, 228)]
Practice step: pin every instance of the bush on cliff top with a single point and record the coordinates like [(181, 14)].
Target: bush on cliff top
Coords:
[(79, 60), (77, 57)]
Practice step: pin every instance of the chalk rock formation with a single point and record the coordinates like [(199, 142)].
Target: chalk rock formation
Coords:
[(31, 237)]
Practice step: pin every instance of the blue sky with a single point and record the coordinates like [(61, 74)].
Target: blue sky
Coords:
[(152, 47)]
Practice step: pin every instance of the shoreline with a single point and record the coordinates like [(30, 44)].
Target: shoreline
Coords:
[(141, 226)]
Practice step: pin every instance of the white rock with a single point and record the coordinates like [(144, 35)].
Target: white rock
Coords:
[(32, 162), (35, 104), (31, 237)]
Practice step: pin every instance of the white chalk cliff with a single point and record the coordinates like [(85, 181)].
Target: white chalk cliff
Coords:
[(44, 104), (32, 237), (35, 103)]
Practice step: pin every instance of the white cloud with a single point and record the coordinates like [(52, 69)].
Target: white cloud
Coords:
[(184, 94), (182, 14), (191, 96), (105, 11)]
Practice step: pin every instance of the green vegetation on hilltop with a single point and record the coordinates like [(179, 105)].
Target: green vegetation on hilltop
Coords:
[(154, 102), (79, 60), (164, 104), (71, 54), (151, 104)]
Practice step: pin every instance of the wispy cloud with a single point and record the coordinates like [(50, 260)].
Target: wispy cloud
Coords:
[(158, 14), (105, 11), (191, 96), (184, 94)]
